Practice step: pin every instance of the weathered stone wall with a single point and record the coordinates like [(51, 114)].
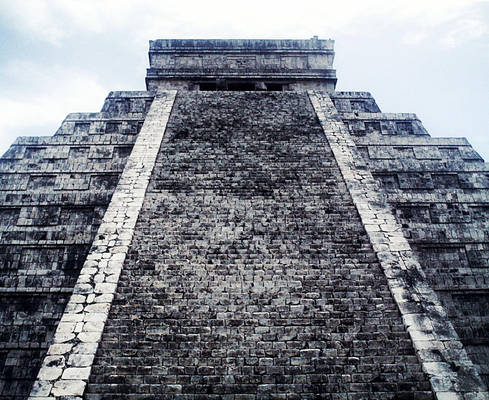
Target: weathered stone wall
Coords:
[(250, 275), (439, 190), (53, 196), (298, 64)]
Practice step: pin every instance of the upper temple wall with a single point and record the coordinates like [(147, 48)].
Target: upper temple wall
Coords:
[(241, 64)]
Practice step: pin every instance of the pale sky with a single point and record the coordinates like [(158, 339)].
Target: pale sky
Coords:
[(430, 57)]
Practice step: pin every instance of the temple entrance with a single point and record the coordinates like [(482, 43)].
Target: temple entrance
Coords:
[(241, 85)]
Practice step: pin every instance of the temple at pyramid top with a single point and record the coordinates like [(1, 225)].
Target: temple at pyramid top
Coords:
[(237, 64)]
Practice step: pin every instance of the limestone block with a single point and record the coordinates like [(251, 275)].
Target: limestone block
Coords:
[(71, 387)]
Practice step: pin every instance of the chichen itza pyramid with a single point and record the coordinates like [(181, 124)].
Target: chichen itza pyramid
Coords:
[(243, 231)]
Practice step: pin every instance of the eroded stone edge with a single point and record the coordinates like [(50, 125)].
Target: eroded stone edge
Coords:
[(68, 362), (452, 374)]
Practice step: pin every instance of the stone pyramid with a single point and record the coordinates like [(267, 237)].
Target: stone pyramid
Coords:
[(241, 230)]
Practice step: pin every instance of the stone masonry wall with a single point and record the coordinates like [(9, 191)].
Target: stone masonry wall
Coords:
[(53, 196), (439, 190), (250, 275)]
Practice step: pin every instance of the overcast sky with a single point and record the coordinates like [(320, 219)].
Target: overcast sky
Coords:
[(430, 57)]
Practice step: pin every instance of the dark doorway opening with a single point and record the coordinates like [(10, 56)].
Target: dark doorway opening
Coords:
[(208, 86), (274, 87), (241, 86)]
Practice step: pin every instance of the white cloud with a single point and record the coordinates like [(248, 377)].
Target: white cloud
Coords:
[(57, 20), (54, 91), (464, 30), (450, 23), (33, 17)]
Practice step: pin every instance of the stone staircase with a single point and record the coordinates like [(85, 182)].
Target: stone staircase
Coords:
[(250, 275)]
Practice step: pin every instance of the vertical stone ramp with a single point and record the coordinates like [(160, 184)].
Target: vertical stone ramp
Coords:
[(438, 189), (65, 369), (54, 191), (452, 374), (250, 275)]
